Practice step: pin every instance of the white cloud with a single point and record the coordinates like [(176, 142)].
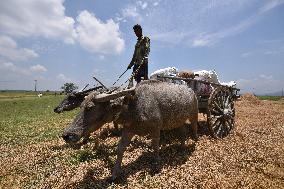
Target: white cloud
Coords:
[(132, 13), (99, 73), (173, 37), (212, 38), (98, 37), (270, 5), (262, 84), (266, 77), (200, 23), (12, 68), (269, 47), (200, 42), (38, 68), (271, 41), (225, 5), (9, 49), (63, 78), (272, 47), (277, 51), (44, 18), (136, 11), (101, 57), (246, 54), (155, 3), (143, 5)]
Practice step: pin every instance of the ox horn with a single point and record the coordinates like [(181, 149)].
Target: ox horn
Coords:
[(87, 91), (106, 97), (84, 88)]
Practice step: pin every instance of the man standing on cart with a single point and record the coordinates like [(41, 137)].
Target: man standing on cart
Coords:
[(140, 56)]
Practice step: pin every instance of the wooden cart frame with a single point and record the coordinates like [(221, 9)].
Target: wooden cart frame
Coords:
[(219, 105)]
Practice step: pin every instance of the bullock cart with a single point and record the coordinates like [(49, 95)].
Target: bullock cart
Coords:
[(218, 103)]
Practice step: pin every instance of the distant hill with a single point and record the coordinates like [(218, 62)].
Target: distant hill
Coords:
[(15, 91), (278, 93)]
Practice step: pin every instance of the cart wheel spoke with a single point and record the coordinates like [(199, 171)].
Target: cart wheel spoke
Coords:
[(227, 128), (230, 124), (220, 101), (216, 111), (231, 116), (217, 106), (221, 112), (219, 130), (216, 124), (222, 131)]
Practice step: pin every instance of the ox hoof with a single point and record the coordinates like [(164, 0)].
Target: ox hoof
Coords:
[(111, 180), (115, 174), (156, 160), (195, 137), (156, 166), (115, 179)]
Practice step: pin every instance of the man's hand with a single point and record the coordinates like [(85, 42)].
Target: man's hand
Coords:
[(129, 66)]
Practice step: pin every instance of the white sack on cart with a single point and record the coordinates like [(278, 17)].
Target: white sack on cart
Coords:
[(205, 75), (229, 84), (209, 76), (169, 72)]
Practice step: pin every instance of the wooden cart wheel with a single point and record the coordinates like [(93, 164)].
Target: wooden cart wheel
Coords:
[(221, 112)]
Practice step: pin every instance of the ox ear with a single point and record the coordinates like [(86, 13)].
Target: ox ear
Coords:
[(107, 97)]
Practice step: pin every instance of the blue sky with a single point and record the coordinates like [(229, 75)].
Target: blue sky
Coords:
[(57, 41)]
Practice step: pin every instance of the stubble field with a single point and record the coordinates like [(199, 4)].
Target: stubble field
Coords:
[(34, 156)]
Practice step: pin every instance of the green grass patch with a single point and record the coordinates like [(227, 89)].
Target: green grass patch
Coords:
[(24, 120), (24, 94), (29, 131), (273, 98), (82, 156)]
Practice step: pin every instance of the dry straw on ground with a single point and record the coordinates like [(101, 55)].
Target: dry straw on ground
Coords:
[(252, 156), (250, 98)]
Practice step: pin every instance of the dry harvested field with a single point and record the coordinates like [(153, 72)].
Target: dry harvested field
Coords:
[(34, 156)]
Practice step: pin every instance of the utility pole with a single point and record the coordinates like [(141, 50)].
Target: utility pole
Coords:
[(35, 84)]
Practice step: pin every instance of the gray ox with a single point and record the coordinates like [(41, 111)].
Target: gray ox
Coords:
[(75, 99), (149, 108)]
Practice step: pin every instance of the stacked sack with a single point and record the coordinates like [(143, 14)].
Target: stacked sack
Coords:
[(203, 75), (168, 72)]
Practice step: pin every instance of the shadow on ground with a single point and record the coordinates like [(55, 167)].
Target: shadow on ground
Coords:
[(171, 153)]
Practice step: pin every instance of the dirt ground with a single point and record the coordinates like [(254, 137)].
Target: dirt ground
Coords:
[(251, 157)]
